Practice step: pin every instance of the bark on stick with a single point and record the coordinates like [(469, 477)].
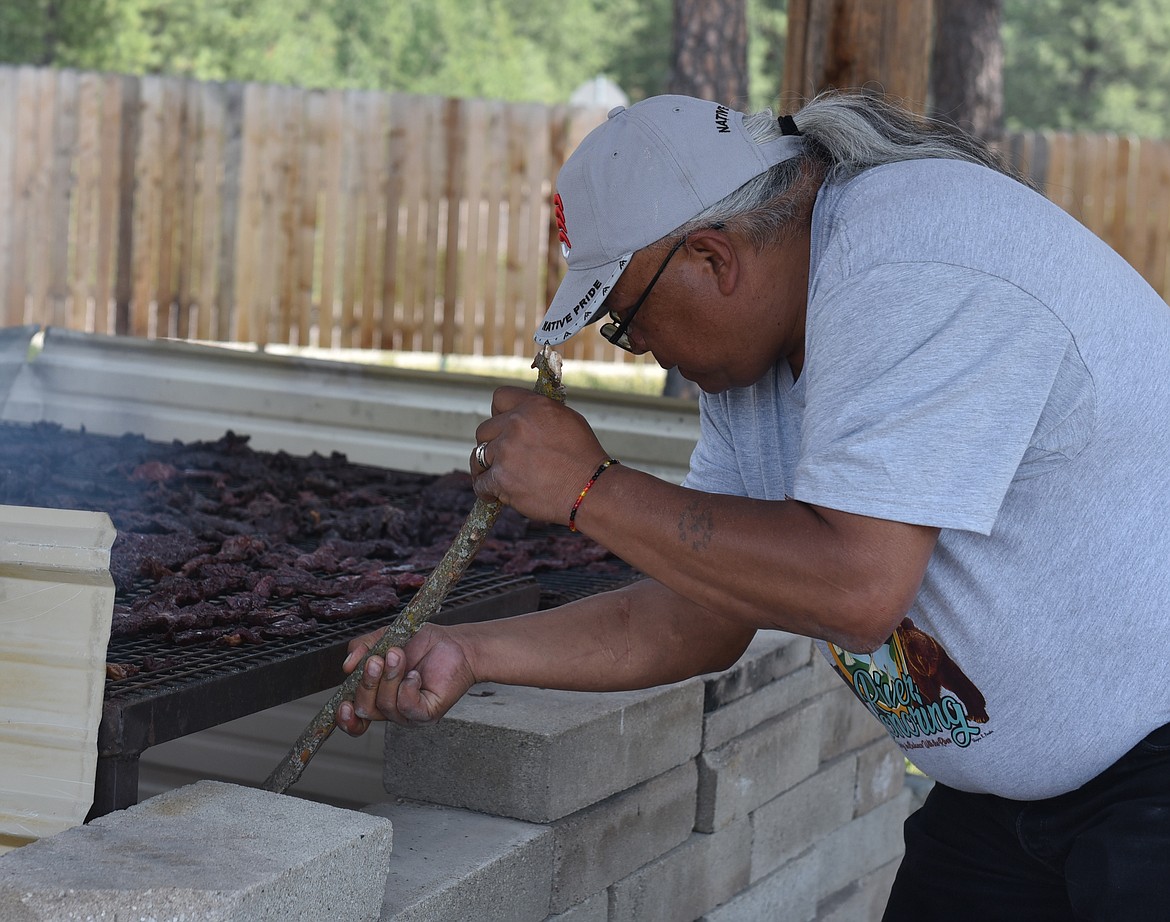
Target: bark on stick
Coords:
[(422, 607)]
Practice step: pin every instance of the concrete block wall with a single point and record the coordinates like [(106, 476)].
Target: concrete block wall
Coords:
[(765, 792)]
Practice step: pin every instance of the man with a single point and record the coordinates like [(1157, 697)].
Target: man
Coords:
[(933, 437)]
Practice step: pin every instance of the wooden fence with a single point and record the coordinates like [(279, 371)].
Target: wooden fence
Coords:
[(1116, 185), (258, 213), (246, 212)]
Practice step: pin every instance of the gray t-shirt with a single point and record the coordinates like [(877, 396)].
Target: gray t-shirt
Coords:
[(977, 360)]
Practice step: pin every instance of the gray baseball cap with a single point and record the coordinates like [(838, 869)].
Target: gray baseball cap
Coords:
[(636, 177)]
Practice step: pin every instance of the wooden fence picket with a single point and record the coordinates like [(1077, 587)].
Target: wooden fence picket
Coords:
[(24, 211), (8, 108), (87, 191), (51, 93), (1159, 199), (348, 218), (1125, 202), (59, 195), (495, 165)]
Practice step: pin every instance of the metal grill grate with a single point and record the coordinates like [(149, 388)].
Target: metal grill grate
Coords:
[(480, 593), (560, 586), (192, 687)]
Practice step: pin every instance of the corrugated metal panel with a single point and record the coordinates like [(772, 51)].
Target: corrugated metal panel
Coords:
[(14, 343), (411, 420), (56, 604)]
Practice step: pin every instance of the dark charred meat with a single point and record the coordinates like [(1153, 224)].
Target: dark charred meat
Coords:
[(219, 544)]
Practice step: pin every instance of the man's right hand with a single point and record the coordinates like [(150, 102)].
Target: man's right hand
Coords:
[(412, 686)]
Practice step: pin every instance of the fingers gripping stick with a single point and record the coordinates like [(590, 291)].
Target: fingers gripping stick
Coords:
[(424, 606)]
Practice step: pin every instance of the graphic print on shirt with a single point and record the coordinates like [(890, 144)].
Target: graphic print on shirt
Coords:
[(916, 690)]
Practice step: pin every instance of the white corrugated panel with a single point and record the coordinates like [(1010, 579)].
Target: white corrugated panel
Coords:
[(14, 343), (56, 604), (398, 418)]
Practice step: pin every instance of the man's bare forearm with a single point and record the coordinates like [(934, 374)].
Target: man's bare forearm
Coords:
[(764, 564), (634, 637)]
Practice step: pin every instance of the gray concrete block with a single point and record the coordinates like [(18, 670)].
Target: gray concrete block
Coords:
[(826, 676), (881, 775), (788, 894), (539, 755), (603, 843), (859, 848), (724, 724), (862, 901), (210, 851), (770, 655), (754, 768), (454, 864), (683, 884), (801, 817), (594, 909), (848, 725)]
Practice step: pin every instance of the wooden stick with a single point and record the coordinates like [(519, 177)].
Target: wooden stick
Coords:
[(423, 607)]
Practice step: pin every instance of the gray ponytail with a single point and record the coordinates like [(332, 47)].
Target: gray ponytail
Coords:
[(843, 134)]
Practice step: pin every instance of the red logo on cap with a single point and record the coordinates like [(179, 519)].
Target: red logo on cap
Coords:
[(562, 233)]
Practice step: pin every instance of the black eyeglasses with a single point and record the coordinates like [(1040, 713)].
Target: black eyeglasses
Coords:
[(616, 332)]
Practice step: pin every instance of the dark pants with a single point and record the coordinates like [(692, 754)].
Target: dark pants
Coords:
[(1101, 852)]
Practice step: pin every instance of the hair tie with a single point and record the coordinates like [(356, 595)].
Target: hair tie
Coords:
[(787, 125)]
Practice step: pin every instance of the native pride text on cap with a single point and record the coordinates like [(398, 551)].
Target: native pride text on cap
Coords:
[(550, 326)]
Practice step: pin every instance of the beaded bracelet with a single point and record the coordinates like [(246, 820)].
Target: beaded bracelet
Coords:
[(592, 480)]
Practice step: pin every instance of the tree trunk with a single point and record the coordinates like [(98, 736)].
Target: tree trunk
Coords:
[(710, 51), (709, 61), (966, 79), (882, 46)]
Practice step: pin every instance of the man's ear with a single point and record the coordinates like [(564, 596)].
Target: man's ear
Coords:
[(719, 257)]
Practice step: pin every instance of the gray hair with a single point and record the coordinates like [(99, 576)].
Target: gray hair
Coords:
[(843, 134)]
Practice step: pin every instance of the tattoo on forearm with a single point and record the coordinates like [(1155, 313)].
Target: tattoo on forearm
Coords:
[(695, 525)]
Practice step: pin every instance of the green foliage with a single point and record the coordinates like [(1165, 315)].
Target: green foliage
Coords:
[(509, 49), (1069, 64), (65, 33), (767, 37), (538, 50), (1077, 66)]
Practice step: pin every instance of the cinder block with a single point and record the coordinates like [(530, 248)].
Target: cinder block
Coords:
[(788, 894), (848, 725), (209, 851), (881, 774), (826, 676), (594, 909), (863, 901), (605, 842), (539, 755), (453, 864), (789, 691), (703, 872), (770, 655), (797, 819), (754, 768), (859, 848)]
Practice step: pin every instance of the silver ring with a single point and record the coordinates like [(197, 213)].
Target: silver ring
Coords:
[(480, 457)]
